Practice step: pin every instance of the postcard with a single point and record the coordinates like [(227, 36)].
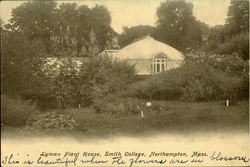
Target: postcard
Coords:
[(115, 83)]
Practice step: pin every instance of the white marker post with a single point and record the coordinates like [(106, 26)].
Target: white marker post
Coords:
[(227, 102), (142, 114)]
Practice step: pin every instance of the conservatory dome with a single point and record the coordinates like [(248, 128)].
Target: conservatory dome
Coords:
[(145, 48)]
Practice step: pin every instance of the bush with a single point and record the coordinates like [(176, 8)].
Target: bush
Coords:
[(113, 104), (158, 87), (43, 100), (94, 79), (102, 76), (51, 120), (229, 63), (238, 43), (202, 82), (124, 106), (104, 106), (200, 78), (15, 112), (65, 84)]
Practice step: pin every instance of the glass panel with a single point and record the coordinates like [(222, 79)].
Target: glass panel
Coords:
[(162, 61), (158, 60), (154, 69), (162, 67), (158, 68)]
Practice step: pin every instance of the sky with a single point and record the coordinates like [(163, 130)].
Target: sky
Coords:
[(140, 12)]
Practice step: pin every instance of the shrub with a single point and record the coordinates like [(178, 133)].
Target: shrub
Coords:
[(102, 76), (43, 100), (238, 43), (51, 120), (158, 87), (94, 79), (105, 106), (202, 82), (201, 77), (15, 112), (229, 63), (113, 104), (65, 84)]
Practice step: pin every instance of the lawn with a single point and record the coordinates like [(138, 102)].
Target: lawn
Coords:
[(165, 116), (169, 116)]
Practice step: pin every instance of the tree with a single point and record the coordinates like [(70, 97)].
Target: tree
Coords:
[(40, 29), (19, 62), (63, 30), (238, 17), (215, 36), (1, 24), (100, 21), (233, 37), (35, 20), (177, 25), (238, 43), (101, 76), (130, 34)]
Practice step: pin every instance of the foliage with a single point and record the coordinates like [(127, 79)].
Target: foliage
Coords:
[(177, 25), (19, 63), (40, 25), (65, 31), (238, 17), (220, 43), (73, 85), (64, 82), (101, 76), (214, 37), (51, 120), (238, 44), (156, 88), (234, 35), (15, 112), (62, 29), (123, 106), (114, 104), (69, 86), (175, 116), (229, 63), (133, 33), (201, 77)]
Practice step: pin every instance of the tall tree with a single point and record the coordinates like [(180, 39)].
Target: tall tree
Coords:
[(35, 20), (62, 30), (100, 22), (177, 25), (41, 28), (65, 31), (130, 34), (238, 17), (233, 37)]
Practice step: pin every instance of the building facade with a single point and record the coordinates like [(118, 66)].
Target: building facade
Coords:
[(149, 56)]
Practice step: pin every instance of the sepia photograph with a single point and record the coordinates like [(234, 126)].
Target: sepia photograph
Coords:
[(124, 83)]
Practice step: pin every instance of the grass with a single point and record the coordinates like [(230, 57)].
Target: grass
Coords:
[(165, 116), (175, 116)]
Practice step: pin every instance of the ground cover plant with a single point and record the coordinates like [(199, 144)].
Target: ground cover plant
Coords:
[(51, 120)]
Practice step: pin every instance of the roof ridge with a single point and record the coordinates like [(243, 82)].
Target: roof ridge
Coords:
[(141, 38)]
